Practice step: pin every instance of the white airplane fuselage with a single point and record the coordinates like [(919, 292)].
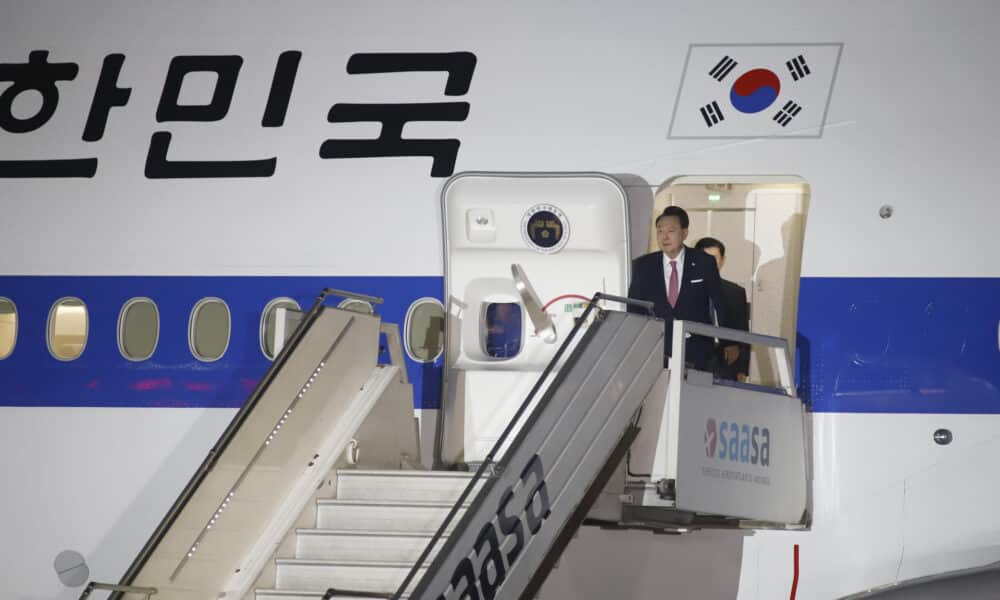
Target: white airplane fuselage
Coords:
[(897, 329)]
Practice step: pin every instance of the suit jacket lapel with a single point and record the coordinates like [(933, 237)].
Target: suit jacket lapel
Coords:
[(661, 287)]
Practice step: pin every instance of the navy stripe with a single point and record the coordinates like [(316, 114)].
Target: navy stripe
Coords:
[(172, 377), (899, 345), (878, 345)]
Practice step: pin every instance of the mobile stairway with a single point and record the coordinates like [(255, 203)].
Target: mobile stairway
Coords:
[(315, 489)]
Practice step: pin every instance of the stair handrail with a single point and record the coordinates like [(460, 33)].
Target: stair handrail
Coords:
[(488, 462), (334, 592), (128, 589), (227, 436)]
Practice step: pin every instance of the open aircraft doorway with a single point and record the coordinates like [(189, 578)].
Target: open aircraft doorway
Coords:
[(761, 221)]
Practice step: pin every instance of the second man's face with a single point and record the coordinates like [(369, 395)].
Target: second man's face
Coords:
[(670, 236)]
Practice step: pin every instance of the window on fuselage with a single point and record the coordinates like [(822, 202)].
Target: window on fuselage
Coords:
[(138, 329), (66, 333), (8, 327), (424, 330), (503, 329), (209, 329), (358, 306), (268, 324)]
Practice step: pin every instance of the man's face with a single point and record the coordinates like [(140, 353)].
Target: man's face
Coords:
[(670, 236), (719, 259)]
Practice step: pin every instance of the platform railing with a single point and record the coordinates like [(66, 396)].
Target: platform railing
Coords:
[(680, 424), (682, 329)]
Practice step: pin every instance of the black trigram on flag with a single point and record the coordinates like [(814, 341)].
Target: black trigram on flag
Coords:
[(711, 113), (789, 110), (722, 68), (797, 67)]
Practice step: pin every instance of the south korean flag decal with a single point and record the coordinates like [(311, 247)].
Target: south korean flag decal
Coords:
[(755, 90)]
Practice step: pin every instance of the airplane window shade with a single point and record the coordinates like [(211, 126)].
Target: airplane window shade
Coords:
[(8, 327), (268, 324), (138, 329), (425, 330), (503, 329), (67, 329), (210, 328), (358, 306)]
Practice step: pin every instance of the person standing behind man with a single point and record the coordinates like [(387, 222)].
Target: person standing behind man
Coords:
[(732, 360), (682, 283)]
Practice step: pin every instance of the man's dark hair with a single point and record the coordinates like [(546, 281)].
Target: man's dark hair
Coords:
[(711, 242), (675, 211)]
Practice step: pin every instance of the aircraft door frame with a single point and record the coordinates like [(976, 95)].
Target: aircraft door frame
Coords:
[(566, 235)]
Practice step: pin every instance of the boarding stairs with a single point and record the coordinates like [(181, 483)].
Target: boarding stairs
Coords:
[(343, 509), (366, 539)]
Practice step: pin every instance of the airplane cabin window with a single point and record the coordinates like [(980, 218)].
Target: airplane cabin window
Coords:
[(67, 329), (209, 329), (502, 336), (358, 306), (8, 327), (424, 330), (138, 329), (268, 324)]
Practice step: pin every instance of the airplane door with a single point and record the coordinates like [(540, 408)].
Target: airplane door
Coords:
[(762, 226), (510, 237), (778, 234)]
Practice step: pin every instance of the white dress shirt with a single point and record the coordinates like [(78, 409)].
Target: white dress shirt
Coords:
[(680, 270)]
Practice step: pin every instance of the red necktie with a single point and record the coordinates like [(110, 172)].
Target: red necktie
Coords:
[(674, 289)]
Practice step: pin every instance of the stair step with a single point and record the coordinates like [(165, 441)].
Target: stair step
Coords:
[(320, 575), (334, 544), (359, 515), (273, 594), (402, 485)]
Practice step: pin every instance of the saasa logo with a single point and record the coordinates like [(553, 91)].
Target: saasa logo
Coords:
[(738, 442), (711, 437)]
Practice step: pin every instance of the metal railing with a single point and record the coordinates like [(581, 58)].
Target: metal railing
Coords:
[(779, 345), (303, 390), (127, 589), (216, 452), (335, 592), (489, 463)]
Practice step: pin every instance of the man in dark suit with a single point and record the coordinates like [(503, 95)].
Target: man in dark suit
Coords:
[(682, 283), (731, 360)]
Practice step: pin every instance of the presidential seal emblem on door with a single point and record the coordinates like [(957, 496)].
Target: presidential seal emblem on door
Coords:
[(545, 228)]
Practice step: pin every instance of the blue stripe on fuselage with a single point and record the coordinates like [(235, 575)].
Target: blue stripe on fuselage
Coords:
[(173, 377), (901, 345)]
